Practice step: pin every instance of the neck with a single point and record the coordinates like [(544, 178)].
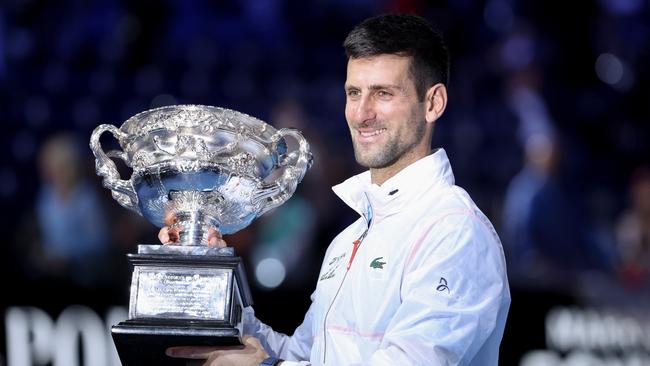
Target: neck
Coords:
[(380, 175)]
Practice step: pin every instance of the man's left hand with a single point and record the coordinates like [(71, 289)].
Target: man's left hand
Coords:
[(251, 353)]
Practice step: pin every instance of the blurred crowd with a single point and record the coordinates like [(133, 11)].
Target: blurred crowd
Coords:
[(547, 128)]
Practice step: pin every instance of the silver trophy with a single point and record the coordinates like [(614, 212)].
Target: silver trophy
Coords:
[(197, 169)]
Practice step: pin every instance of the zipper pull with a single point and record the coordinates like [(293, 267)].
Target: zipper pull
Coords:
[(354, 252)]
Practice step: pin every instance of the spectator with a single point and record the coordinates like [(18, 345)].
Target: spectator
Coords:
[(74, 236), (633, 231)]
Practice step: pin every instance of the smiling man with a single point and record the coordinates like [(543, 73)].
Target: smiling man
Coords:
[(390, 125), (419, 278)]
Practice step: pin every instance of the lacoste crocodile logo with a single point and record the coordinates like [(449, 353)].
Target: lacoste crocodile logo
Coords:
[(376, 263)]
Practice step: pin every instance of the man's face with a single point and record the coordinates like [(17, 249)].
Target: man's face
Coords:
[(385, 116)]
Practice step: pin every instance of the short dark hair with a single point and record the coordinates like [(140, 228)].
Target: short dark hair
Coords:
[(403, 34)]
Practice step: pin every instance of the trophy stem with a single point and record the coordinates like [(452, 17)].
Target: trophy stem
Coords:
[(195, 228)]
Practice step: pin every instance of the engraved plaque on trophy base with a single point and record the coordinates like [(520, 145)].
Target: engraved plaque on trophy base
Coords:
[(181, 296)]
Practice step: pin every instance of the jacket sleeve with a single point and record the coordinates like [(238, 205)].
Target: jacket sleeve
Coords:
[(454, 295), (291, 348)]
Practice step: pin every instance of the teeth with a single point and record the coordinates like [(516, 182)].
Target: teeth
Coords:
[(374, 133)]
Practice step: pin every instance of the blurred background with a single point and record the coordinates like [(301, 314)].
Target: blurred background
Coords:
[(547, 128)]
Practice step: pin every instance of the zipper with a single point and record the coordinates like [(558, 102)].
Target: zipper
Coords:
[(357, 244)]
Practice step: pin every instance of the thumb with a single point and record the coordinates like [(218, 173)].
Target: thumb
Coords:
[(251, 341), (163, 235)]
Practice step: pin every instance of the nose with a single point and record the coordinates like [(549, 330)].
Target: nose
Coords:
[(364, 110)]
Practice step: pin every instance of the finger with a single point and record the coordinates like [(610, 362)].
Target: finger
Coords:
[(170, 218), (215, 239), (169, 235), (196, 353), (174, 233), (216, 243), (214, 233), (163, 235)]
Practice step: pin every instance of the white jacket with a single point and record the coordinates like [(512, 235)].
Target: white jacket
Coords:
[(427, 285)]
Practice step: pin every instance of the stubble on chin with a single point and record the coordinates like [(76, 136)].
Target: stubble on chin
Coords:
[(380, 158)]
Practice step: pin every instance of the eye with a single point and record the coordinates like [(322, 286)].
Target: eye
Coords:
[(384, 94), (352, 93)]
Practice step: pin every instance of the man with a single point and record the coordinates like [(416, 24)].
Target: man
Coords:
[(419, 278)]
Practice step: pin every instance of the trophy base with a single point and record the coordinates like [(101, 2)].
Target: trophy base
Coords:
[(142, 344), (181, 296)]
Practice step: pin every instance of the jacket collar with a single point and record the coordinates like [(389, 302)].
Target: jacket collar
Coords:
[(372, 200)]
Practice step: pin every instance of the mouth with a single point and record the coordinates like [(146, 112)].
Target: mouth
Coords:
[(370, 133)]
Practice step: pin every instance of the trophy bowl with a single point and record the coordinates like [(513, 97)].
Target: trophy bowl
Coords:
[(198, 167), (194, 168)]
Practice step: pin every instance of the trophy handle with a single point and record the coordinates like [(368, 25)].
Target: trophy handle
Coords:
[(295, 164), (121, 190)]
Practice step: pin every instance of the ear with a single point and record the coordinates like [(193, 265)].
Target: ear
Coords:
[(435, 102)]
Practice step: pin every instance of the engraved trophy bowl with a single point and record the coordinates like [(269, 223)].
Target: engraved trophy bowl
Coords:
[(194, 168), (197, 167)]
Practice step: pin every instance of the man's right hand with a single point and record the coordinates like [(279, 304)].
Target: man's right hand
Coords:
[(170, 235)]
